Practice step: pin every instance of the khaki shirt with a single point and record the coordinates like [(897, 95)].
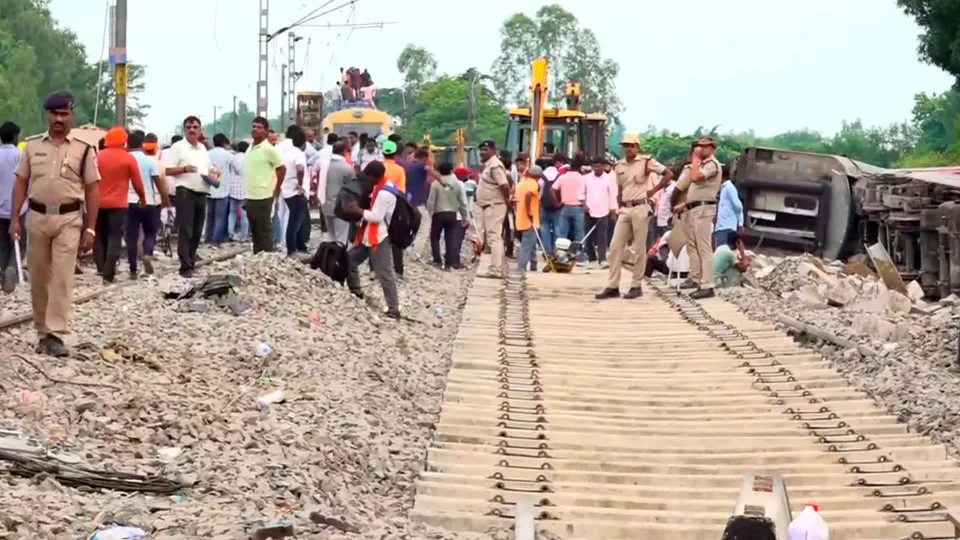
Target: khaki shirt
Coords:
[(632, 177), (683, 183), (53, 171), (708, 188), (493, 176)]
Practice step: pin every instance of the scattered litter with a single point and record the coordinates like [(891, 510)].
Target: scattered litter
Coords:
[(117, 532), (263, 349), (170, 453), (28, 397), (269, 399)]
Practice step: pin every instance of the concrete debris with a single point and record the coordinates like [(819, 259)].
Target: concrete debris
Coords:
[(348, 441), (911, 345)]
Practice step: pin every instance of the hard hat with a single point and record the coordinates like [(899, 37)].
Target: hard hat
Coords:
[(630, 138)]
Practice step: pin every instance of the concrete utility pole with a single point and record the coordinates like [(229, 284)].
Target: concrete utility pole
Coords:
[(263, 65), (233, 126), (283, 97), (216, 121), (293, 76), (118, 57)]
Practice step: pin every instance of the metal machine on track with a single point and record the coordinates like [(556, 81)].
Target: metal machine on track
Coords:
[(833, 206)]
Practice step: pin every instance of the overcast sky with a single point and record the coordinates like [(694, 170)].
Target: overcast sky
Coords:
[(767, 65)]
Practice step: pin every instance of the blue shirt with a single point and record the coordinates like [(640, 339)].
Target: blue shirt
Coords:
[(148, 169), (416, 182), (223, 161), (729, 209), (9, 157)]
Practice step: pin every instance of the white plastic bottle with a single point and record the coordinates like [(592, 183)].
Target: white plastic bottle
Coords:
[(808, 525)]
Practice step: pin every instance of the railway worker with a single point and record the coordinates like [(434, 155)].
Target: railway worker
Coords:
[(705, 176), (493, 198), (56, 176), (633, 218)]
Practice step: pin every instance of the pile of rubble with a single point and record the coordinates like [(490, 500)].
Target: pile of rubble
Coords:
[(306, 408), (893, 345)]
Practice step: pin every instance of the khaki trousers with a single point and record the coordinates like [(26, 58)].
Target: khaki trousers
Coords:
[(631, 229), (493, 216), (51, 256), (700, 243)]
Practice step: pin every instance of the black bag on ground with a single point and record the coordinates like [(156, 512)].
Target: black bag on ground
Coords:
[(359, 189), (405, 221), (331, 259)]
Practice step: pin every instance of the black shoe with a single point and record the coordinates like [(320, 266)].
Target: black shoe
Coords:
[(391, 314), (41, 345), (457, 266), (358, 294), (702, 293), (133, 275), (689, 283), (186, 272), (607, 293), (148, 265), (77, 270), (55, 347), (634, 292), (437, 264), (9, 279), (108, 280)]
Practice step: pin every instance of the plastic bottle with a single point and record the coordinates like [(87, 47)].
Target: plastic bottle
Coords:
[(808, 525)]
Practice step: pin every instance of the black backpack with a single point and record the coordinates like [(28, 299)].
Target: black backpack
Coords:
[(405, 221), (359, 189), (549, 199), (331, 259)]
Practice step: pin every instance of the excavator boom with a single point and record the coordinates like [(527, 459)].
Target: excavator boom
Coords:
[(538, 93)]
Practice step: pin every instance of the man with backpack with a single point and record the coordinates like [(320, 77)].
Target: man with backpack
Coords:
[(549, 204), (338, 173), (374, 239)]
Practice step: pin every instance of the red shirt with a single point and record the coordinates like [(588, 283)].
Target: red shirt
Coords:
[(117, 170)]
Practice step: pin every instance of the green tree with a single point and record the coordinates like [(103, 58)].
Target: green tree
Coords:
[(417, 66), (136, 111), (38, 57), (443, 106), (940, 40), (244, 116), (573, 54)]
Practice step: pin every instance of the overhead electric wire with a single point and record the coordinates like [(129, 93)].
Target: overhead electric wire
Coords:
[(346, 23), (312, 16), (103, 46)]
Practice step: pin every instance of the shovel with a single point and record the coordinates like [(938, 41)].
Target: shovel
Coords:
[(543, 251)]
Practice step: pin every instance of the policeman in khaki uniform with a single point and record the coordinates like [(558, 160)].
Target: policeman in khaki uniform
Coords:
[(633, 218), (57, 176), (701, 184)]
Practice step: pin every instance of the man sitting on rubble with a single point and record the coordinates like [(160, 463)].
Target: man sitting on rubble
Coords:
[(730, 261)]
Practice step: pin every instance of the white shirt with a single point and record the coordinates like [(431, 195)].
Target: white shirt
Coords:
[(675, 264), (367, 158), (382, 213), (355, 153), (222, 160), (183, 154), (293, 159), (664, 211), (322, 165)]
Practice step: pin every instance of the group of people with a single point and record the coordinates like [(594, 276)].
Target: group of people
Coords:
[(70, 197), (623, 210)]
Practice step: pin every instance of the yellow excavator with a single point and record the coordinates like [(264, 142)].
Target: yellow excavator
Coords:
[(539, 130), (460, 155)]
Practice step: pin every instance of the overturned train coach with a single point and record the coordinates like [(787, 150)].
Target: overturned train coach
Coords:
[(834, 206)]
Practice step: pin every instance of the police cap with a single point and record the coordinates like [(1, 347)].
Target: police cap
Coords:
[(61, 99)]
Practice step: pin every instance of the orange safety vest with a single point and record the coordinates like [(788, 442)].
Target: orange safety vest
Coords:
[(372, 229)]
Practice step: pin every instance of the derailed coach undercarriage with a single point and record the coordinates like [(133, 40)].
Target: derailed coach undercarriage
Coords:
[(833, 206)]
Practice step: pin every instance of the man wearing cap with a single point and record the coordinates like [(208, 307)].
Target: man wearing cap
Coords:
[(56, 176), (493, 196), (396, 173), (633, 220), (701, 186)]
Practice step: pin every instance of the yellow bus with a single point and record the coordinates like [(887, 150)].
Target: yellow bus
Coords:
[(358, 118)]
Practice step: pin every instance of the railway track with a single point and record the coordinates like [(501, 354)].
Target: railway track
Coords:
[(640, 419)]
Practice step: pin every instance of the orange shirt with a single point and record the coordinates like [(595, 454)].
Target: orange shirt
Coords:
[(117, 169), (395, 173), (528, 185)]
